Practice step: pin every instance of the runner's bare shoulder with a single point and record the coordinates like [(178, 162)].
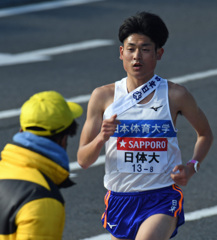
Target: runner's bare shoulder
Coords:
[(180, 99), (176, 90), (103, 95)]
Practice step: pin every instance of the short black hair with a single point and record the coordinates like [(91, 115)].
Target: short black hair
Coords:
[(147, 24), (70, 131)]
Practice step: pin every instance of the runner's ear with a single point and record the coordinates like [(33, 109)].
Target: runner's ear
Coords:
[(121, 52), (160, 52)]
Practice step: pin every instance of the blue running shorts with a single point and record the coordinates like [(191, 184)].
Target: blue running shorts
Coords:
[(125, 212)]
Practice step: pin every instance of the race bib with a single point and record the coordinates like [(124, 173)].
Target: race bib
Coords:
[(141, 155)]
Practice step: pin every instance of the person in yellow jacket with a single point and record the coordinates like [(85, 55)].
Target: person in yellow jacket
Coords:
[(34, 167)]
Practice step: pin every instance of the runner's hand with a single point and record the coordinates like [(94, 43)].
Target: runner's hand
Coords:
[(181, 175), (109, 127)]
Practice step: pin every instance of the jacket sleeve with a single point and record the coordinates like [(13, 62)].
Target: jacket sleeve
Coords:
[(41, 219)]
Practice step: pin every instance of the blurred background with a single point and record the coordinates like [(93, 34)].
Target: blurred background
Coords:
[(16, 3)]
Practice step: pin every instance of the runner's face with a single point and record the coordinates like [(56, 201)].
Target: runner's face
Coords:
[(139, 56)]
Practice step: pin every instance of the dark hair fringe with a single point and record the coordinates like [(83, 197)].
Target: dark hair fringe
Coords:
[(147, 24)]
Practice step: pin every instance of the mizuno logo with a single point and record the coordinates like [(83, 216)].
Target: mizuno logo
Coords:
[(111, 226), (156, 108)]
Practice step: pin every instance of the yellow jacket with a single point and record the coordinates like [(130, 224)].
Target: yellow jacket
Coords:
[(35, 210)]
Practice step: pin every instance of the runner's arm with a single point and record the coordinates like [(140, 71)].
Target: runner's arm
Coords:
[(96, 131), (199, 122)]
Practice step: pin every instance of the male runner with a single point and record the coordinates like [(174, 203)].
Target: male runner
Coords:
[(136, 119)]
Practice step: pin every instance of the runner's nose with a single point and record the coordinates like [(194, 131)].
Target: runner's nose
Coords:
[(137, 54)]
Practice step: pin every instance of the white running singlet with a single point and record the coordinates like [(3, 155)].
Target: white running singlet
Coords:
[(144, 149)]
